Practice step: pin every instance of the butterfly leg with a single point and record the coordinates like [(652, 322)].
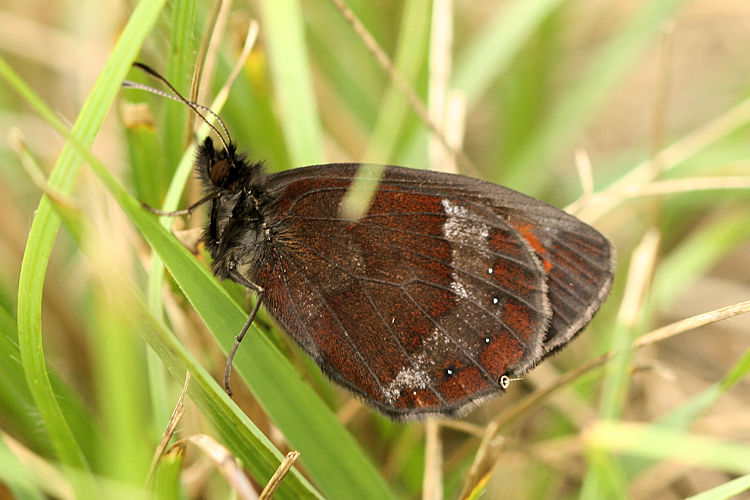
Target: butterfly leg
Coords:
[(235, 276), (185, 211)]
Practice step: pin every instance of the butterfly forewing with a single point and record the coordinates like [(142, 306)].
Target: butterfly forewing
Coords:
[(421, 306)]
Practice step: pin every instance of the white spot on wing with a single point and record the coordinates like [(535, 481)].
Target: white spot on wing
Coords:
[(415, 377), (460, 227), (407, 378), (458, 288)]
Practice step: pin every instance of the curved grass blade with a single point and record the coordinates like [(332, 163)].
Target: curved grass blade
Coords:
[(330, 454), (46, 223)]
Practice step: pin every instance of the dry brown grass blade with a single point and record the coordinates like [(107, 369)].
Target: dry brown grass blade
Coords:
[(441, 42), (657, 335), (174, 420), (273, 484), (484, 461), (247, 47), (692, 323), (675, 186), (226, 464), (207, 57), (411, 95), (669, 157), (487, 456), (442, 157), (432, 483), (35, 173)]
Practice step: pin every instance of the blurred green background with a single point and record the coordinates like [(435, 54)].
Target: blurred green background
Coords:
[(649, 91)]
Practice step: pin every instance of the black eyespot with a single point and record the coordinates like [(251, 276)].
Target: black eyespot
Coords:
[(450, 370)]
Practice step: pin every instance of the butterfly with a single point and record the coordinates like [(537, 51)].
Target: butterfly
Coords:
[(442, 292)]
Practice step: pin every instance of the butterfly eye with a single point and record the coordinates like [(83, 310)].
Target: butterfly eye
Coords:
[(219, 172)]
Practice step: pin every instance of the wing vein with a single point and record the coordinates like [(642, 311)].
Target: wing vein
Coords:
[(338, 321), (401, 346), (461, 349)]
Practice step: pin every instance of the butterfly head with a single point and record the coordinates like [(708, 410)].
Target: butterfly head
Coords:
[(226, 171), (236, 191)]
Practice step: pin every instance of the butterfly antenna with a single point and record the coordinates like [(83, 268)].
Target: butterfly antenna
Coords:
[(176, 96), (136, 85)]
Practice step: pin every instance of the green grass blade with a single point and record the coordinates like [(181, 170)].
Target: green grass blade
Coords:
[(696, 255), (330, 454), (15, 476), (239, 434), (180, 60), (290, 69), (250, 114), (17, 406), (254, 448), (147, 161), (305, 420), (393, 109), (491, 50), (658, 443), (729, 489), (46, 222), (356, 80), (684, 416), (579, 103)]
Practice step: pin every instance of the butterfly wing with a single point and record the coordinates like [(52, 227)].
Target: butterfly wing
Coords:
[(578, 260), (579, 263), (422, 305)]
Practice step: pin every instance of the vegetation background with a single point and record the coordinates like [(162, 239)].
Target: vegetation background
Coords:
[(650, 100)]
